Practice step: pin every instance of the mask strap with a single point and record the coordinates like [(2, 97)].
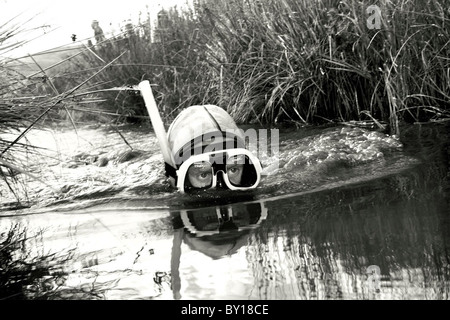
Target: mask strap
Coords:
[(170, 171), (199, 141)]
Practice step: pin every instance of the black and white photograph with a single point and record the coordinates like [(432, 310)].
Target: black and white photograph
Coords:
[(221, 156)]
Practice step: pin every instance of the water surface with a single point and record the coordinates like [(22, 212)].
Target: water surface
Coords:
[(350, 214)]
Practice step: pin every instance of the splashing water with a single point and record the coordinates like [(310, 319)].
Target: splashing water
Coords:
[(98, 166)]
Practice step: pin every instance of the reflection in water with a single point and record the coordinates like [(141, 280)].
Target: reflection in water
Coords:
[(309, 249), (318, 245), (215, 231), (331, 243), (28, 273)]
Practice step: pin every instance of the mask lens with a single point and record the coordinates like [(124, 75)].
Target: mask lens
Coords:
[(241, 172), (204, 219), (199, 175)]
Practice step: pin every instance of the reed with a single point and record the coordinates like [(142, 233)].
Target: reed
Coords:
[(174, 64), (311, 61), (270, 61), (27, 102), (18, 105)]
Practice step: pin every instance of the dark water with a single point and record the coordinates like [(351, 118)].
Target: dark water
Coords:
[(377, 227)]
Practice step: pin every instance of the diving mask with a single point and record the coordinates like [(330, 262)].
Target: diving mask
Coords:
[(235, 169)]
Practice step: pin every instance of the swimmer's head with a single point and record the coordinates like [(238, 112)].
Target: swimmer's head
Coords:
[(209, 151)]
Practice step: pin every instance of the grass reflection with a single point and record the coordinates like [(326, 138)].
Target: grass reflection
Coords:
[(25, 275), (319, 246)]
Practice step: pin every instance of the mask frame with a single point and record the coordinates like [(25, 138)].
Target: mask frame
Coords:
[(182, 172)]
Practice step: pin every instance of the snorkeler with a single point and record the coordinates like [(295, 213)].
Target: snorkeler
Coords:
[(203, 148)]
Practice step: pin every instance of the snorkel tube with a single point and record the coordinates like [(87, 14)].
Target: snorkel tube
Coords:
[(155, 118)]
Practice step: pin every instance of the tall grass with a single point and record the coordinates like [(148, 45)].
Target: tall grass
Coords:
[(286, 60), (175, 64), (26, 102), (19, 105), (313, 60)]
